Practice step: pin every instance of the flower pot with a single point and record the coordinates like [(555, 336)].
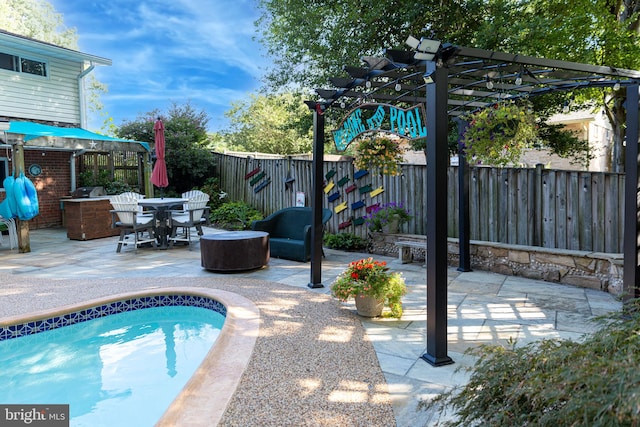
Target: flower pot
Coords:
[(392, 226), (369, 306)]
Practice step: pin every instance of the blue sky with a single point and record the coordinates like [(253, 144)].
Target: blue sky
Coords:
[(164, 51)]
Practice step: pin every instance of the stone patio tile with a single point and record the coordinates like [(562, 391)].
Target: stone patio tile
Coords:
[(553, 302), (530, 286), (406, 393), (475, 287), (576, 322), (602, 303)]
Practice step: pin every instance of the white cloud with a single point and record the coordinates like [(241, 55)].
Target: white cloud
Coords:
[(170, 50)]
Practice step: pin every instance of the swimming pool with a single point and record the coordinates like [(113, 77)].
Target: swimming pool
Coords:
[(214, 379)]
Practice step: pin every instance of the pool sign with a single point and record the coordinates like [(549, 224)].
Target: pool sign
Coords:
[(409, 123)]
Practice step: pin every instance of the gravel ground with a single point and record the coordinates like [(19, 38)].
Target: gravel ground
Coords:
[(312, 364)]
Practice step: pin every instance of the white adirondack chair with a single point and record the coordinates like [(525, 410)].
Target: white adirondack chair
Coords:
[(126, 216), (193, 215)]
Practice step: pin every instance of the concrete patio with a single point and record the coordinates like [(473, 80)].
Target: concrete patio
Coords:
[(483, 307)]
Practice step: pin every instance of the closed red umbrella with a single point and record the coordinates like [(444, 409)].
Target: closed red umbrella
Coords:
[(159, 175)]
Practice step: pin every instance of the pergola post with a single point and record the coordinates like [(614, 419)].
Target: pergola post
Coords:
[(316, 197), (436, 215), (22, 226), (631, 276), (464, 228)]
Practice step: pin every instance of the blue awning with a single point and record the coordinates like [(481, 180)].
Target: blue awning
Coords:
[(74, 138)]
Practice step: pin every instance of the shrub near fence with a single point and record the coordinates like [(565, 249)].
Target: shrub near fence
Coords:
[(523, 206)]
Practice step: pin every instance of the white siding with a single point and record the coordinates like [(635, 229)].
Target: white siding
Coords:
[(53, 98)]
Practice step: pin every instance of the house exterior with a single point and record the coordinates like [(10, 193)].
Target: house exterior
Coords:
[(43, 84), (586, 124)]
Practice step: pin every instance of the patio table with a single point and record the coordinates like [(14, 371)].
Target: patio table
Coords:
[(162, 205), (234, 250)]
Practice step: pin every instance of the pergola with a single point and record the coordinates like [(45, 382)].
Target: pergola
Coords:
[(451, 81)]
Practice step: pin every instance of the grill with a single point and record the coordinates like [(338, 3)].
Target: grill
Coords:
[(87, 192)]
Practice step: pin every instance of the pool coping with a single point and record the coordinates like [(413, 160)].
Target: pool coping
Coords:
[(205, 397)]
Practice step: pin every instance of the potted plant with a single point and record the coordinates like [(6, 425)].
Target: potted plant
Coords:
[(372, 286), (388, 217), (498, 135), (381, 153)]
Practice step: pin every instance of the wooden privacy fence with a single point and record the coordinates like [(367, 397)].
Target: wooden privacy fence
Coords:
[(523, 206)]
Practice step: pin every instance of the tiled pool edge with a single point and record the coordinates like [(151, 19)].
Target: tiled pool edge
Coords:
[(44, 324), (204, 398)]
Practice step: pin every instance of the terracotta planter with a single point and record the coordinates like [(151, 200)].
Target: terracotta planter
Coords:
[(369, 306)]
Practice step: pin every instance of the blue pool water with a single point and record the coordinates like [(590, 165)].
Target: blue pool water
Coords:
[(120, 370)]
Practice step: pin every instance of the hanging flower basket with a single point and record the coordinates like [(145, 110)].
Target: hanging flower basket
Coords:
[(498, 135), (379, 152)]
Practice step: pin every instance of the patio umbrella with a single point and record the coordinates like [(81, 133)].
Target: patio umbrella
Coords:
[(159, 175)]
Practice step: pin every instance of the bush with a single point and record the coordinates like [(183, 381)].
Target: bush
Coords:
[(344, 241), (554, 382), (117, 187), (234, 216), (217, 197)]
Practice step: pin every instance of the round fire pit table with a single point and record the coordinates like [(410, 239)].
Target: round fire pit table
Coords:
[(234, 250)]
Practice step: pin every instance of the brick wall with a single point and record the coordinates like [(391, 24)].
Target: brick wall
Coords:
[(52, 184)]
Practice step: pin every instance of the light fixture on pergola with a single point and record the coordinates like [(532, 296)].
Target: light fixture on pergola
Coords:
[(452, 81)]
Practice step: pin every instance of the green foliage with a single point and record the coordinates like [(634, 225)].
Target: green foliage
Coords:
[(344, 241), (381, 215), (117, 187), (554, 382), (381, 153), (373, 278), (235, 216), (340, 33), (37, 19), (189, 163), (566, 143), (103, 179), (277, 124), (498, 135), (212, 187)]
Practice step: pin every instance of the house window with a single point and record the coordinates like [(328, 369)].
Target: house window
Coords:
[(4, 170), (8, 62), (22, 65)]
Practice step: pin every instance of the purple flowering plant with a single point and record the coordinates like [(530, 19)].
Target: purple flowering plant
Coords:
[(381, 215)]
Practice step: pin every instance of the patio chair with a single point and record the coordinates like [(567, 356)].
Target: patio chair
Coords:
[(127, 217), (290, 232), (10, 223), (194, 215), (192, 193), (205, 216), (131, 196), (197, 193)]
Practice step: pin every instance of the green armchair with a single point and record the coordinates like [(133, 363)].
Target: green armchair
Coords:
[(290, 232)]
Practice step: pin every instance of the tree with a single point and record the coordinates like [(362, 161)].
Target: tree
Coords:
[(189, 163), (278, 124), (605, 32), (312, 42), (38, 20)]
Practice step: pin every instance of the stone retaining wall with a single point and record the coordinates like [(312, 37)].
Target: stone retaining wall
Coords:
[(594, 270)]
